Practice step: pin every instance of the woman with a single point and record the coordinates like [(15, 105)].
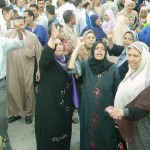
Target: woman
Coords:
[(133, 22), (128, 10), (100, 82), (132, 105), (54, 108), (147, 21), (119, 30), (85, 51), (99, 33), (142, 15), (109, 22), (117, 50)]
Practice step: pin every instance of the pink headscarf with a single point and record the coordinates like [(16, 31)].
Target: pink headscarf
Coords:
[(108, 25)]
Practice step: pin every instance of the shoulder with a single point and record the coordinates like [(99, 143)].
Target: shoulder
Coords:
[(113, 68)]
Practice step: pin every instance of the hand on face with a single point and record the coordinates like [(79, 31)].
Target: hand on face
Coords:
[(81, 41)]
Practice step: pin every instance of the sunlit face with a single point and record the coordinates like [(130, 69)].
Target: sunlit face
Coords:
[(97, 2), (143, 14), (129, 7), (106, 17), (59, 48), (19, 22), (97, 22), (131, 21), (20, 3), (35, 11), (127, 40), (41, 4), (134, 58), (99, 52), (89, 40), (73, 18)]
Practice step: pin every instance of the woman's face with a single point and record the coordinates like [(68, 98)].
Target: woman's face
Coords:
[(99, 52), (143, 13), (106, 17), (97, 22), (89, 40), (129, 7), (134, 58), (127, 40), (131, 21), (59, 48)]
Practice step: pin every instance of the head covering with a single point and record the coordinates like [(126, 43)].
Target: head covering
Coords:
[(98, 66), (97, 29), (123, 57), (147, 21), (135, 25), (141, 19), (127, 2), (137, 80), (120, 29), (108, 25)]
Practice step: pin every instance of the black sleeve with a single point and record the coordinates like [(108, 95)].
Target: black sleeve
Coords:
[(116, 50), (135, 114), (47, 57)]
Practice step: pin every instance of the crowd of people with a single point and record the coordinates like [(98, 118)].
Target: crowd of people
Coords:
[(90, 56)]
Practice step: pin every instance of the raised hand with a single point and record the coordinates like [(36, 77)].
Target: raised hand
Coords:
[(54, 31), (110, 34), (81, 41)]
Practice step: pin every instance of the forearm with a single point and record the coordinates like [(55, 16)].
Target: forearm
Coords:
[(134, 113), (51, 43), (73, 57), (110, 43)]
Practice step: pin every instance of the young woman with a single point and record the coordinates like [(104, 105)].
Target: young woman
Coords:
[(100, 82), (133, 22), (117, 50), (109, 22), (54, 106), (132, 106)]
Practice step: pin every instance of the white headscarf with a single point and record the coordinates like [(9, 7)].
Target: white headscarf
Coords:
[(135, 81)]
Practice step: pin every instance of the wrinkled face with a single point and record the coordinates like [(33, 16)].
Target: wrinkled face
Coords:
[(131, 21), (59, 48), (143, 13), (41, 4), (99, 52), (134, 58), (97, 22), (89, 40), (35, 11), (19, 22), (127, 40), (106, 17), (129, 7)]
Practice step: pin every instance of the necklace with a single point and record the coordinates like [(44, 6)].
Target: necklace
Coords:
[(99, 75)]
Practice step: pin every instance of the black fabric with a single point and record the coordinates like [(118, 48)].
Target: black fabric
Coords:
[(135, 114), (116, 51), (54, 106), (98, 66)]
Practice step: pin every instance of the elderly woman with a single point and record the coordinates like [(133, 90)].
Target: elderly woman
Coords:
[(90, 39), (100, 82), (117, 50), (132, 105), (54, 106)]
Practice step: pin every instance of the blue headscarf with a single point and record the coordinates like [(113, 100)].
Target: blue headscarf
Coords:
[(97, 29)]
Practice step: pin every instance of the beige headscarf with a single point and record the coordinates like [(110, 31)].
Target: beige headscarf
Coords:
[(135, 81)]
